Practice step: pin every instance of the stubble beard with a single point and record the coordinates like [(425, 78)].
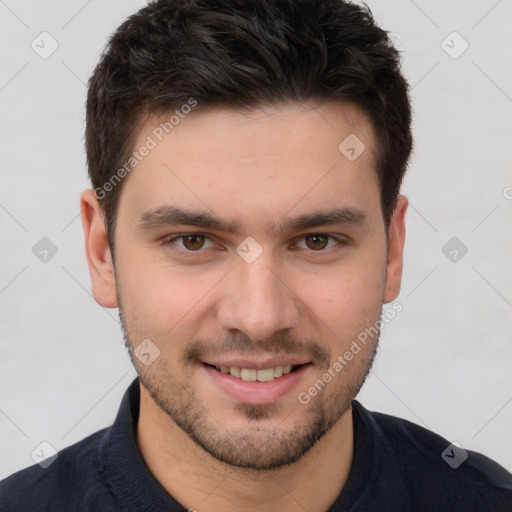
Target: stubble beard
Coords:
[(264, 445)]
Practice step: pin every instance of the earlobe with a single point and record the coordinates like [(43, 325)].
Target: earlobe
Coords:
[(396, 241), (97, 250)]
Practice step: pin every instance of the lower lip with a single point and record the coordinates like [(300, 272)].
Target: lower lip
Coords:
[(256, 392)]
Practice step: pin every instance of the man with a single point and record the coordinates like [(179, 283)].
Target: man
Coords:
[(246, 160)]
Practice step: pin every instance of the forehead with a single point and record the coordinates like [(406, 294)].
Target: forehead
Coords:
[(271, 159), (292, 130)]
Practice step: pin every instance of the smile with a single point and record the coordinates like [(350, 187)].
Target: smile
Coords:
[(253, 375), (257, 382)]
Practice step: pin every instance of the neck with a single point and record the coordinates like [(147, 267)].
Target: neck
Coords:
[(198, 481)]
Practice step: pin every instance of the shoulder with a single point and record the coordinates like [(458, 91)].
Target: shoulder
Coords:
[(70, 480), (435, 470)]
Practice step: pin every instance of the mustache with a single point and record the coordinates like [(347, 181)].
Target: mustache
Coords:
[(240, 344)]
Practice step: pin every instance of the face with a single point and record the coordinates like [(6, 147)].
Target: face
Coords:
[(250, 254)]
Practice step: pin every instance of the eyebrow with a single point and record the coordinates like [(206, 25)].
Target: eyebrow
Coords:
[(173, 216)]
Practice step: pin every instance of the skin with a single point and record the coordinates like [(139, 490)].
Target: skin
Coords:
[(298, 298)]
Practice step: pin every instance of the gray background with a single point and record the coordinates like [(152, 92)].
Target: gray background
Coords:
[(444, 361)]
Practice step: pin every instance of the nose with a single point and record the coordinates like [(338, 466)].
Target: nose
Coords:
[(258, 300)]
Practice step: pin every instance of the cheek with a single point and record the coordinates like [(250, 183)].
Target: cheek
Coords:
[(159, 299), (347, 296)]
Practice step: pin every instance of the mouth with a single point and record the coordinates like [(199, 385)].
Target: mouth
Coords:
[(269, 382), (255, 375)]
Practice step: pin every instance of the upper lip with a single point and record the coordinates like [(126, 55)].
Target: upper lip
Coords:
[(260, 364)]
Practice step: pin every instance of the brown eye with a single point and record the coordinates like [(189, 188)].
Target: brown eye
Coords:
[(189, 243), (193, 242), (316, 242)]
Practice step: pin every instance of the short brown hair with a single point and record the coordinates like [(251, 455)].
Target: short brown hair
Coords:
[(242, 54)]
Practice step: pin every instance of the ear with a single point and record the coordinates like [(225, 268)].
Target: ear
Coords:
[(396, 240), (97, 251)]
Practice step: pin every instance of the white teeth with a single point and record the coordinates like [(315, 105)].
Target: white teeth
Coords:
[(265, 375), (252, 375), (233, 370)]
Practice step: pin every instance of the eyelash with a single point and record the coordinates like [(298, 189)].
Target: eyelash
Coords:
[(171, 241)]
